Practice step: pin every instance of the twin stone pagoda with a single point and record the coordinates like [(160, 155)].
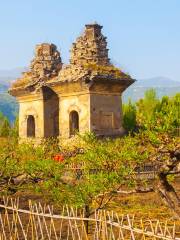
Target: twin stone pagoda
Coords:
[(57, 100)]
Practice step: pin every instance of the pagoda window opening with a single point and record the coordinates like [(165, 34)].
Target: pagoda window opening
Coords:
[(31, 126), (74, 123)]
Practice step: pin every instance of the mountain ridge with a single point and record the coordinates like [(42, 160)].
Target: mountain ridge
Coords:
[(159, 81)]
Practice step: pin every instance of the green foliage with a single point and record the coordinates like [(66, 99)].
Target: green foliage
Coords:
[(145, 109), (108, 166), (1, 118), (129, 116), (6, 129), (15, 128), (4, 126), (8, 106), (167, 114), (25, 160), (153, 114)]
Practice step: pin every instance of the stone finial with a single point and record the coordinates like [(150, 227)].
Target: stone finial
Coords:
[(45, 65), (47, 61), (90, 48)]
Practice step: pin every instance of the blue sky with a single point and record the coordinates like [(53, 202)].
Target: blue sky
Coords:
[(143, 35)]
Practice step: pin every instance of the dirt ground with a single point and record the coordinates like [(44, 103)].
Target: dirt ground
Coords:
[(144, 205)]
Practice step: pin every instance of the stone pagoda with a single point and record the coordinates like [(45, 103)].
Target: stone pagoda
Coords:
[(57, 100)]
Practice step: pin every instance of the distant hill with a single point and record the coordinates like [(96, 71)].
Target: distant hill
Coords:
[(8, 76), (157, 82), (9, 106), (12, 73), (162, 85), (3, 87)]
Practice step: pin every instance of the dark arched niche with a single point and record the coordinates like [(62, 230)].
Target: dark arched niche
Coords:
[(30, 126), (51, 112), (73, 123)]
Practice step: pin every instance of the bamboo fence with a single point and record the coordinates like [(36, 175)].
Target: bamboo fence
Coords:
[(41, 222)]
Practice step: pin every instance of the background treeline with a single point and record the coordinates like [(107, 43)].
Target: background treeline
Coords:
[(8, 129), (8, 105), (151, 113)]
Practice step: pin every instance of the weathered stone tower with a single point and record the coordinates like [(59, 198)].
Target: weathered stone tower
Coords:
[(57, 100)]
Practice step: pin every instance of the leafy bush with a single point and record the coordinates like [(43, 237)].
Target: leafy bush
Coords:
[(129, 116), (151, 113), (4, 126)]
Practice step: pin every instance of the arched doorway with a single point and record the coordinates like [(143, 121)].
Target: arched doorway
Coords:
[(30, 126), (51, 112), (73, 123)]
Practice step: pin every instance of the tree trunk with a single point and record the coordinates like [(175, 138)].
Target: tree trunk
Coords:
[(168, 194)]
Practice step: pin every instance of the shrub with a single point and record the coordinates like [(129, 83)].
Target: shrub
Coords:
[(129, 116)]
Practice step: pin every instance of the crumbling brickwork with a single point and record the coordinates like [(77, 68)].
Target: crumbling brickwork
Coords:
[(89, 58), (45, 65), (47, 61), (91, 47)]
